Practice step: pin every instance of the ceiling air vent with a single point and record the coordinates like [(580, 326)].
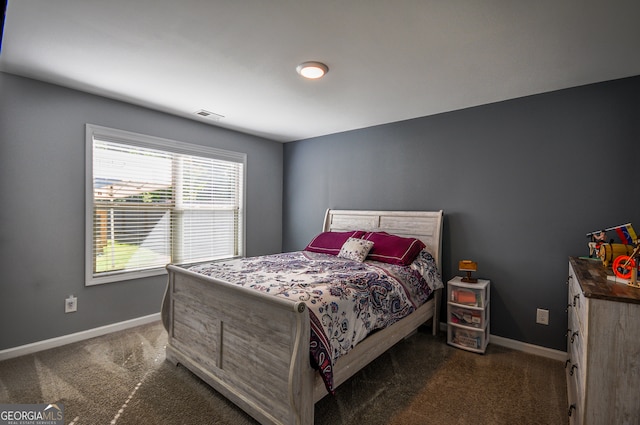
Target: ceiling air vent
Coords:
[(208, 114)]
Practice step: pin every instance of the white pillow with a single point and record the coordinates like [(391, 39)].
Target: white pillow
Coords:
[(355, 249)]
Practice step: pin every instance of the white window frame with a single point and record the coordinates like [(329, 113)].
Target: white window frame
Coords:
[(142, 140)]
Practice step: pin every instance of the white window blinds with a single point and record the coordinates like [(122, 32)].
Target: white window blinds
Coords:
[(155, 201)]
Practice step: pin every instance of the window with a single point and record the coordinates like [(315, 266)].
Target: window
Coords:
[(153, 201)]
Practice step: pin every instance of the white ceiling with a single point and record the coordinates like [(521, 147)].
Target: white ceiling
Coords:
[(388, 60)]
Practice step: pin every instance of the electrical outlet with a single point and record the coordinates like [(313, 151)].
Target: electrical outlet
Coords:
[(542, 316), (71, 304)]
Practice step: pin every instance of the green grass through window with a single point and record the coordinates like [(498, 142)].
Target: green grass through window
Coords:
[(119, 257)]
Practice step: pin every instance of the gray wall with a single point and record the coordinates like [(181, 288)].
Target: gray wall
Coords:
[(521, 183), (42, 151)]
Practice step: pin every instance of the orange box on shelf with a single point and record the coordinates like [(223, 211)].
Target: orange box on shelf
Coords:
[(464, 297)]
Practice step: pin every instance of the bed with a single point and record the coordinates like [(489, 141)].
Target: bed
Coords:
[(254, 348)]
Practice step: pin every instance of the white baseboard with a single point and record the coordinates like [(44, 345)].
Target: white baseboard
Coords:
[(528, 348), (522, 346), (75, 337)]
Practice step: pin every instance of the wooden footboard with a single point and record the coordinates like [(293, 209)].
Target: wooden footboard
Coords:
[(251, 347)]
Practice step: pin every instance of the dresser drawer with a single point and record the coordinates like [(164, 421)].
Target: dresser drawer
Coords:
[(574, 408), (472, 317), (576, 370), (575, 335), (577, 303)]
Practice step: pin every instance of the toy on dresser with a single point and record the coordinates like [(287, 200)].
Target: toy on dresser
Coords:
[(623, 257), (626, 266)]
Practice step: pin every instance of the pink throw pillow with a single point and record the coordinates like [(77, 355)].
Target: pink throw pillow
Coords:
[(393, 249), (331, 242)]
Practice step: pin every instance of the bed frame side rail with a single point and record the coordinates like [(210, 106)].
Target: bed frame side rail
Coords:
[(378, 343)]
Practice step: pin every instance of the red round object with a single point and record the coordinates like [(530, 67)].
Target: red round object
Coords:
[(619, 268)]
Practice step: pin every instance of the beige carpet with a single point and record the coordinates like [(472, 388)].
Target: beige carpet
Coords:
[(123, 379)]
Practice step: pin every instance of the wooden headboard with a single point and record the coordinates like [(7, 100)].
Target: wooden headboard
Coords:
[(423, 225)]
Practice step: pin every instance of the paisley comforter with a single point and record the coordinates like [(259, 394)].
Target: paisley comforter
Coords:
[(347, 300)]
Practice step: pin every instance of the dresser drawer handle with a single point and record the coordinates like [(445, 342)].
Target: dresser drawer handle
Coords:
[(575, 297), (567, 363), (573, 336), (572, 409), (568, 307), (575, 366), (569, 279)]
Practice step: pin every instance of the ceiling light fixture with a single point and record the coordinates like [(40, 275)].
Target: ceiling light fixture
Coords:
[(312, 70)]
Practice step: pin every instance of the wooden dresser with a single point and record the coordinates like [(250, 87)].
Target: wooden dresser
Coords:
[(603, 347)]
